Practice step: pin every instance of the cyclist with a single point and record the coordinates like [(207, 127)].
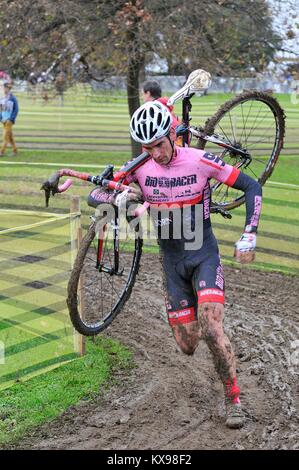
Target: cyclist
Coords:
[(193, 278)]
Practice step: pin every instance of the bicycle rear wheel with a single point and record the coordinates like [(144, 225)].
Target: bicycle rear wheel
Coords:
[(96, 294), (253, 121)]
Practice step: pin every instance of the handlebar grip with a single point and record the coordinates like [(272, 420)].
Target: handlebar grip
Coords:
[(63, 187)]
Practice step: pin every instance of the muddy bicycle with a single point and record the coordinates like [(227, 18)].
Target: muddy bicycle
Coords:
[(247, 132)]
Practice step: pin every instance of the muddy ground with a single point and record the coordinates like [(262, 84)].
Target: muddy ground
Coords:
[(172, 401)]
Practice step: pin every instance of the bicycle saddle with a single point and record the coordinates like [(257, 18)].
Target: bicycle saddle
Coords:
[(198, 81)]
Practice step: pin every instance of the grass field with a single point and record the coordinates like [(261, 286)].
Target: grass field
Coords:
[(35, 263)]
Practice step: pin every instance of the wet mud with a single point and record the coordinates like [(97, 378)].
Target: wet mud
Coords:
[(173, 401)]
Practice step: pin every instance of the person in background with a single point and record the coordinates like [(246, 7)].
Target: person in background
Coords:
[(9, 109), (151, 91)]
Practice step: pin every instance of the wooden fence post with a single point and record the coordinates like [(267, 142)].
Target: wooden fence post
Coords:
[(76, 238)]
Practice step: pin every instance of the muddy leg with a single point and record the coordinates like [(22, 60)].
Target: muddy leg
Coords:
[(210, 317), (187, 336)]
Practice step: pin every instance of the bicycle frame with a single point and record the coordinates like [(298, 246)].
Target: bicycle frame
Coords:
[(100, 265)]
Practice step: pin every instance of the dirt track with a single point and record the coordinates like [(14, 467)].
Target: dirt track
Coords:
[(171, 401)]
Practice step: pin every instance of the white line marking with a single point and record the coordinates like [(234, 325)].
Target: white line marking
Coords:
[(61, 165), (38, 213), (288, 185), (26, 227), (77, 115)]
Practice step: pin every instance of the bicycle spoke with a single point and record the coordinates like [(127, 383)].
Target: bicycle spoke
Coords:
[(254, 122), (249, 168), (112, 281), (224, 134), (251, 103), (105, 291), (87, 285), (253, 128), (243, 122), (262, 139), (261, 120), (91, 259), (232, 127), (255, 159)]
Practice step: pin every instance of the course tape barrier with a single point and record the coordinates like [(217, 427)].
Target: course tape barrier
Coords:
[(35, 262)]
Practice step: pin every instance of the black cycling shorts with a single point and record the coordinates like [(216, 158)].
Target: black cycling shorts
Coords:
[(191, 277)]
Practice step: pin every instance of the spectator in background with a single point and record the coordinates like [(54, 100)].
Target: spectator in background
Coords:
[(9, 109), (151, 91)]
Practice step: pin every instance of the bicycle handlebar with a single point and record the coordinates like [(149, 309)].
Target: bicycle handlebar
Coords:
[(65, 186), (52, 186)]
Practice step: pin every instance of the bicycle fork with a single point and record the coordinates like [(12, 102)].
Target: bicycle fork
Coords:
[(101, 265)]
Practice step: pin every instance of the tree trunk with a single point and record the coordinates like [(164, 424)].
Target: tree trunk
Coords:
[(133, 97)]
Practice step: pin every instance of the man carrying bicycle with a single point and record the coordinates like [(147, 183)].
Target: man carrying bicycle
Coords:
[(177, 177)]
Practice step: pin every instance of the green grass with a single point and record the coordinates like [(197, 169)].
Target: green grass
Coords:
[(34, 323), (95, 118), (25, 406), (286, 171), (77, 157)]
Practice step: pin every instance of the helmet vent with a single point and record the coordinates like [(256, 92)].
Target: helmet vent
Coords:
[(152, 112), (167, 124), (150, 122)]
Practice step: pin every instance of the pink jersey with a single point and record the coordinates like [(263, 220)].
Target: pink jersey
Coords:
[(184, 180)]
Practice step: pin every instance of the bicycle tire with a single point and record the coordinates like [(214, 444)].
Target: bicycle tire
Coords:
[(210, 128), (96, 326)]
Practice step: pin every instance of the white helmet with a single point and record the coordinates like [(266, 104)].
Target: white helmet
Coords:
[(150, 122)]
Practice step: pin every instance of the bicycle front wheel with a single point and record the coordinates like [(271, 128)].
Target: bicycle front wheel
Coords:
[(96, 294), (253, 121)]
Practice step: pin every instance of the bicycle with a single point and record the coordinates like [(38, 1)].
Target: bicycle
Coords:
[(105, 271)]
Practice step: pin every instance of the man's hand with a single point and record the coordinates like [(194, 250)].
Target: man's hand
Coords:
[(244, 251), (129, 195), (122, 199), (126, 196)]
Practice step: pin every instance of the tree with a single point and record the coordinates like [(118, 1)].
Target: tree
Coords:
[(100, 38)]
